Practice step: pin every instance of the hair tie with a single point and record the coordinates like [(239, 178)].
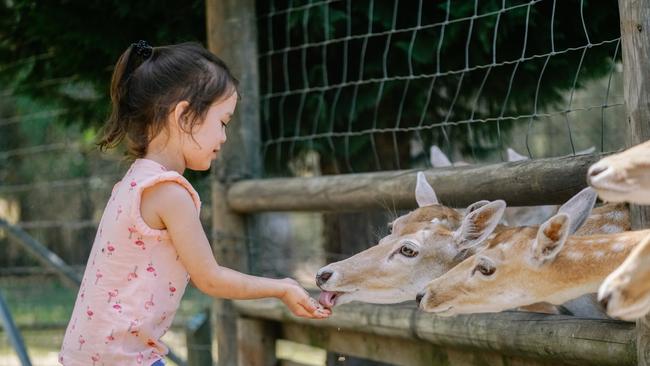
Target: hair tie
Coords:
[(143, 49)]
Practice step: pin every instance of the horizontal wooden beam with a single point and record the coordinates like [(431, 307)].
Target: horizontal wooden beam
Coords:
[(525, 183), (538, 336), (401, 351)]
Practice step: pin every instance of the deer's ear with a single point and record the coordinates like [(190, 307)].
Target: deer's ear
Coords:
[(551, 237), (579, 207), (437, 158), (424, 193), (479, 224), (515, 156), (475, 206)]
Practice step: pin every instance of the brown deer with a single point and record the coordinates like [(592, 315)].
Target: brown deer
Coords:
[(522, 266), (625, 177), (429, 241)]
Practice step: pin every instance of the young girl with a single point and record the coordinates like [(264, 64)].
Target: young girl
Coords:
[(172, 104)]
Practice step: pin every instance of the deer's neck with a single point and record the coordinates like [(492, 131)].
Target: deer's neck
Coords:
[(585, 262)]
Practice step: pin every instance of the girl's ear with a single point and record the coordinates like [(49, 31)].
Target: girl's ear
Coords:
[(178, 115)]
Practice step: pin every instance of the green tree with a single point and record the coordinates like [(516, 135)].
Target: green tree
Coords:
[(60, 53), (440, 91)]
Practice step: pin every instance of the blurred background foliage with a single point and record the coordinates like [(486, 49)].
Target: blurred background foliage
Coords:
[(425, 75)]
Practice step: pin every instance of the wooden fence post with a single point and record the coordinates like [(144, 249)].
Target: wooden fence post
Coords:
[(232, 35), (256, 342), (198, 338), (635, 38)]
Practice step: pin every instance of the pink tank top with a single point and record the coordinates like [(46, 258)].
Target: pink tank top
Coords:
[(133, 281)]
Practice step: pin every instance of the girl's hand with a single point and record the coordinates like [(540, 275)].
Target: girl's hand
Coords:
[(298, 301)]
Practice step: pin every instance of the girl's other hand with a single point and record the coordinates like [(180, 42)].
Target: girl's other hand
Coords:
[(300, 303)]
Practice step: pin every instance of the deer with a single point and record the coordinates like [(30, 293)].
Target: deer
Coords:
[(625, 177), (625, 293), (522, 266), (429, 241)]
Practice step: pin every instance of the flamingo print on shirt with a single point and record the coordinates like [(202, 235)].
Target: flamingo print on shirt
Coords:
[(149, 303), (132, 275), (151, 269), (133, 281), (139, 242), (132, 230), (95, 358), (98, 276), (109, 249), (82, 340), (109, 338), (112, 294)]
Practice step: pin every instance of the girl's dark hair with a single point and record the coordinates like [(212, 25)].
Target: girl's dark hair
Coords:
[(146, 86)]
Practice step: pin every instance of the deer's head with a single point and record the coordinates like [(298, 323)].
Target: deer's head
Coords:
[(423, 244), (623, 177), (625, 293), (522, 266)]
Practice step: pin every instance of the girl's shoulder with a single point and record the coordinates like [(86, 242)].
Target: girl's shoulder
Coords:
[(156, 189)]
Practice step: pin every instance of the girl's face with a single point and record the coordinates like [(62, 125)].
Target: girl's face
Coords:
[(209, 135)]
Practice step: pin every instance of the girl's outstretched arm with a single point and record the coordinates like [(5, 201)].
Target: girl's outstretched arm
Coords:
[(170, 205)]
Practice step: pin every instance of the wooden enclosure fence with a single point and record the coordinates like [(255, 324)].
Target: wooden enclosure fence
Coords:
[(246, 331)]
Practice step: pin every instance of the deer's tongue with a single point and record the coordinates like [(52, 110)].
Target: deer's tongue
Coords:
[(327, 298)]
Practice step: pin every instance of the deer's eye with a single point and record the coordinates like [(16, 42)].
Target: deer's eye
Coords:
[(485, 268), (408, 251)]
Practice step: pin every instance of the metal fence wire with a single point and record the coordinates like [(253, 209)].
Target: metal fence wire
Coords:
[(354, 86)]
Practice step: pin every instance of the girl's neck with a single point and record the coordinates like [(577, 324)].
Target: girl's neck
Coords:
[(169, 161), (166, 150)]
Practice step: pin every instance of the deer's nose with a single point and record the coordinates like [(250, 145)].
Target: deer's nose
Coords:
[(418, 297), (605, 301), (323, 276), (595, 170)]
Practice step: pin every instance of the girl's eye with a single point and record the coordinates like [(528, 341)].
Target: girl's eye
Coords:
[(407, 251), (223, 124)]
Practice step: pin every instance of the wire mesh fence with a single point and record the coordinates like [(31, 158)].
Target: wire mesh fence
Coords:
[(370, 85)]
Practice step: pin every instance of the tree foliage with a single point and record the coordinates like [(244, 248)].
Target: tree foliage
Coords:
[(60, 53), (470, 69)]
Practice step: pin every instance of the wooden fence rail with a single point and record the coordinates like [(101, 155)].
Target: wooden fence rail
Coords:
[(356, 329), (527, 183)]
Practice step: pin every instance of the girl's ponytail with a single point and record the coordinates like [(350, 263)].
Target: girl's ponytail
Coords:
[(121, 114)]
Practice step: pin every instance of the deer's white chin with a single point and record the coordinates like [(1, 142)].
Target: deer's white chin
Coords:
[(629, 313), (622, 192), (446, 311)]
